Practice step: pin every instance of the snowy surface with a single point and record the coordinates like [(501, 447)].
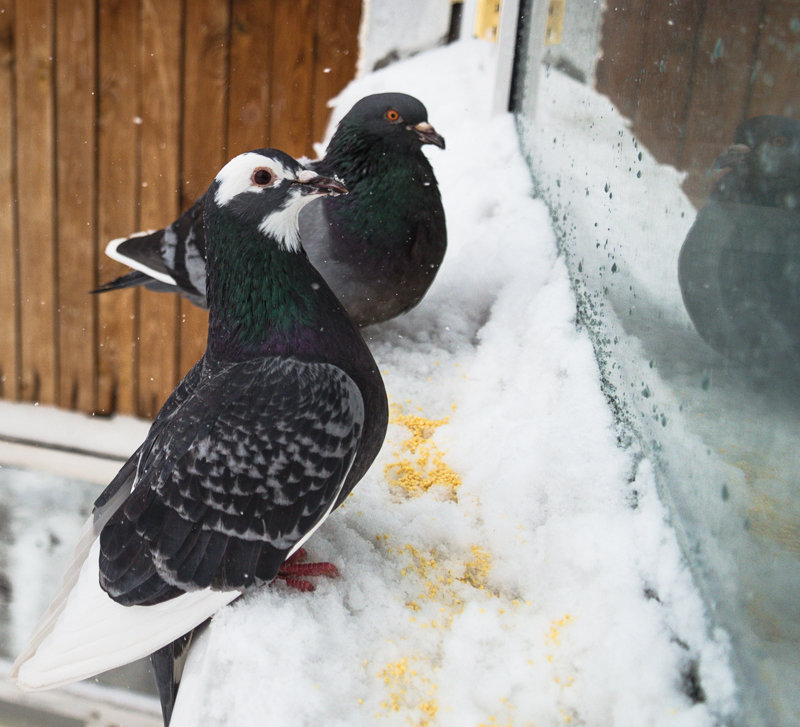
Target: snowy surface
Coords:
[(47, 439), (504, 562)]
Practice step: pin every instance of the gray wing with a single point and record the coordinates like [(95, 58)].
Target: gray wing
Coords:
[(360, 291), (239, 473)]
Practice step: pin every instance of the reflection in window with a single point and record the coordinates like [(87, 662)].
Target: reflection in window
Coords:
[(665, 139)]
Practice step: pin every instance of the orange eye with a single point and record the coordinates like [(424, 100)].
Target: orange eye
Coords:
[(778, 141), (393, 115)]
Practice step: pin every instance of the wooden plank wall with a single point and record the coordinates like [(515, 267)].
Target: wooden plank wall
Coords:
[(118, 114), (687, 73)]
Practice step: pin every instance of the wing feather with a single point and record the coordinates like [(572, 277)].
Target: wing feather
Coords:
[(261, 452), (242, 464)]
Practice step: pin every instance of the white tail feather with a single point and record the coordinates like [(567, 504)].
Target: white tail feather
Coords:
[(85, 632), (113, 252), (89, 532)]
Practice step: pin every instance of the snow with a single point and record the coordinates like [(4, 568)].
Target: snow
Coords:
[(65, 443), (504, 561)]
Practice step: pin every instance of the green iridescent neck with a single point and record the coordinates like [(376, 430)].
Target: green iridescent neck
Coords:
[(260, 295)]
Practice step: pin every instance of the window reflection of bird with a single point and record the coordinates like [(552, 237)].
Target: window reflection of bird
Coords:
[(739, 267)]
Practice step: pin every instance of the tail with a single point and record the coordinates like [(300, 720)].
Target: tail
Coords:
[(171, 260), (136, 278), (142, 252), (133, 279), (168, 663)]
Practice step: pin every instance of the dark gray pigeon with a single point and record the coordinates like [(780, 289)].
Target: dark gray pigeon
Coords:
[(260, 442), (739, 267), (378, 248)]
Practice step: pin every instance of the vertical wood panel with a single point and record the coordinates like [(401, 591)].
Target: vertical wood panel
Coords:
[(9, 309), (719, 89), (619, 70), (777, 66), (160, 59), (35, 199), (118, 188), (336, 57), (250, 72), (293, 64), (75, 162), (204, 133), (666, 80)]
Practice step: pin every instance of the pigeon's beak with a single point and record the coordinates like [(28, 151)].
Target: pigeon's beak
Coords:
[(427, 134), (313, 183), (732, 156)]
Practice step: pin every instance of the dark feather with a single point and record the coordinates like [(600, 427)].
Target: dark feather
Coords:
[(167, 664)]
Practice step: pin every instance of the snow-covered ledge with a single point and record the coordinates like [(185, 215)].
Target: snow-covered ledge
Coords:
[(70, 444), (504, 560)]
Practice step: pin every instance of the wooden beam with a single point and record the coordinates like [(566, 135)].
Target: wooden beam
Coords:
[(293, 52), (775, 71), (118, 187), (160, 56), (619, 69), (76, 141), (36, 200), (9, 261), (204, 132), (336, 56), (250, 76)]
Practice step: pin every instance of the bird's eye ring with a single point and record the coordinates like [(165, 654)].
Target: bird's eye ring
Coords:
[(263, 177), (778, 141), (393, 115)]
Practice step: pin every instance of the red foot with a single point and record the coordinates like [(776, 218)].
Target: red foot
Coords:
[(292, 570)]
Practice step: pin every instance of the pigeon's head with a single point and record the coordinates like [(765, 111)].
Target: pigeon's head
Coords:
[(266, 189), (768, 146), (397, 119)]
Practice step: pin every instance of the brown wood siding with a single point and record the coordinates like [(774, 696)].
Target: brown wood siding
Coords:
[(687, 73), (118, 114), (9, 270), (35, 198), (76, 189)]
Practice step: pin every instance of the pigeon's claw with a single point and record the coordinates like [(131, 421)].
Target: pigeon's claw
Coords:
[(294, 571)]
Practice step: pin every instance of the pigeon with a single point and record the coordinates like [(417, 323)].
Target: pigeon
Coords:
[(265, 436), (763, 164), (379, 248), (739, 267)]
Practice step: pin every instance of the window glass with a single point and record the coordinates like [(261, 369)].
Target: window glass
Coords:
[(665, 138)]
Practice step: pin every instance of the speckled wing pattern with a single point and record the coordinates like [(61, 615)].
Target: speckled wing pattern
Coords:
[(244, 464)]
